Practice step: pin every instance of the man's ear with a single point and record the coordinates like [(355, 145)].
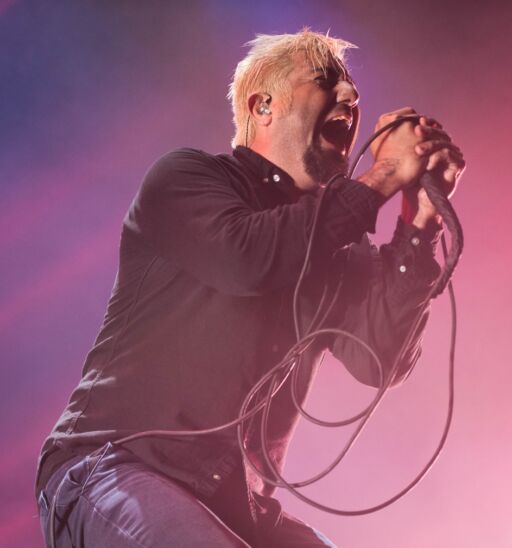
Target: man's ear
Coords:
[(259, 108)]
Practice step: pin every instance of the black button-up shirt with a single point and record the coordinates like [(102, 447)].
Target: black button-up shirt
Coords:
[(210, 252)]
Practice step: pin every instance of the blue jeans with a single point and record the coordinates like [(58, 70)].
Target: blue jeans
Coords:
[(111, 499)]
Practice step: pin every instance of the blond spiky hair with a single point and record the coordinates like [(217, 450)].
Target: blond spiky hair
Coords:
[(267, 65)]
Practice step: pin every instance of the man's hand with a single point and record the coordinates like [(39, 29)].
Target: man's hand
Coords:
[(445, 159), (396, 147), (397, 164), (403, 154)]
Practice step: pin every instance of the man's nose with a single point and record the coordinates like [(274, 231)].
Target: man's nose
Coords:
[(347, 93)]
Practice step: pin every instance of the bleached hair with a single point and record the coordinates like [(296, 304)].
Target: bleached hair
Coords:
[(267, 65)]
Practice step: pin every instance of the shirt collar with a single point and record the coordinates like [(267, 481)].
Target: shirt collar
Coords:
[(266, 172)]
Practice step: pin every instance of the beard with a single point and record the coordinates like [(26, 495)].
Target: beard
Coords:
[(321, 164)]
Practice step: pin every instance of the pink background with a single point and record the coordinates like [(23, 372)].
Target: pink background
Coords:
[(93, 92)]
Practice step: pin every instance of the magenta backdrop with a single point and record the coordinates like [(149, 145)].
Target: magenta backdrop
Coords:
[(91, 93)]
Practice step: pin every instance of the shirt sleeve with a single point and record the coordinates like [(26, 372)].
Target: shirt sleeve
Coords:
[(192, 213), (383, 292)]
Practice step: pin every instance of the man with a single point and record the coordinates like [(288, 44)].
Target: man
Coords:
[(211, 251)]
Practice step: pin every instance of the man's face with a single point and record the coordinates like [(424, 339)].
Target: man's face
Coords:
[(318, 123)]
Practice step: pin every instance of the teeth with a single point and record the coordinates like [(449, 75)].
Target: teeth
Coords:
[(342, 119)]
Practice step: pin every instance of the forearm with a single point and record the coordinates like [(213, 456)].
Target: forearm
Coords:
[(381, 177), (417, 210), (384, 292)]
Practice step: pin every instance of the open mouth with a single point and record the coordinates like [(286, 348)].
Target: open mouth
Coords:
[(336, 131)]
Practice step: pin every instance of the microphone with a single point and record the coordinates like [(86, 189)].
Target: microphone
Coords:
[(433, 187)]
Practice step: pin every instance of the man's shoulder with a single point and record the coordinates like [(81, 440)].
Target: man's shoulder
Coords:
[(186, 158), (186, 168), (188, 153)]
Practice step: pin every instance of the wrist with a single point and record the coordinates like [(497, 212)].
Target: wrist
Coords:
[(423, 220), (418, 210), (382, 177)]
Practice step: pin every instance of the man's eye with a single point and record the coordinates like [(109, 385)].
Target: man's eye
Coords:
[(325, 82)]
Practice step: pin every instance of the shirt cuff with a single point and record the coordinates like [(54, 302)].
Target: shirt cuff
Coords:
[(409, 258), (425, 240), (351, 210)]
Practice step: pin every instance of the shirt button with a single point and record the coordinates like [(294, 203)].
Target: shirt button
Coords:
[(275, 348), (276, 178), (402, 268), (415, 241), (216, 477), (265, 180)]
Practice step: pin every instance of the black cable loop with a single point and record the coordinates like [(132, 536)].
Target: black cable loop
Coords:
[(382, 389), (281, 482), (251, 394)]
